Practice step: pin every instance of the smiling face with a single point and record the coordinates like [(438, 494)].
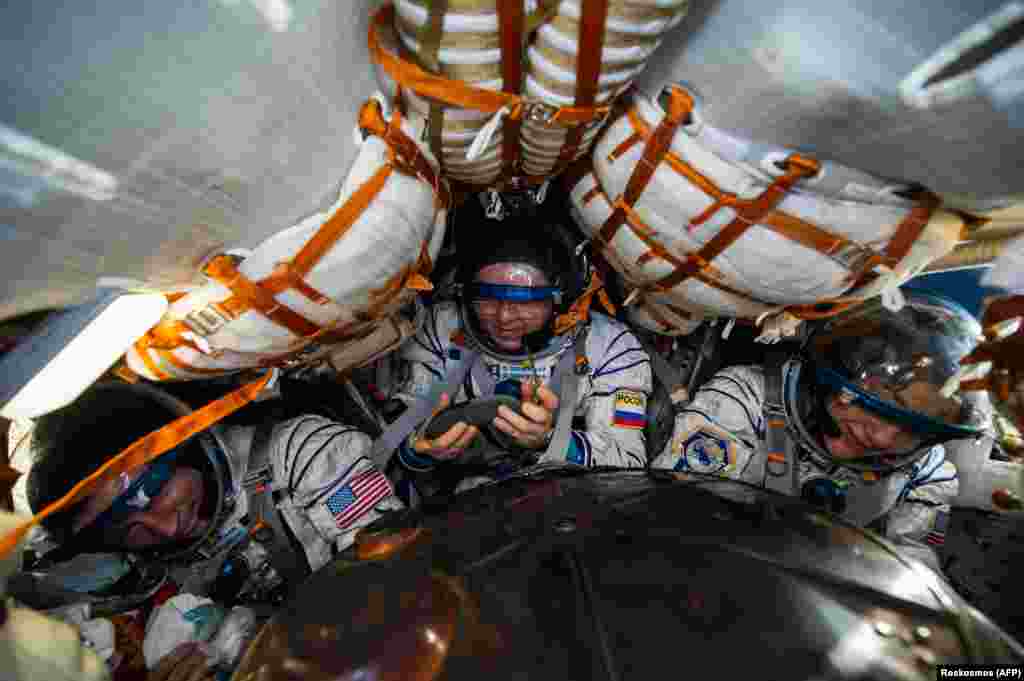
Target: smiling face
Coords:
[(506, 322), (171, 516), (862, 432)]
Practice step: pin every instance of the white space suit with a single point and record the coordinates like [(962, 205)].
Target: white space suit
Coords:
[(611, 404), (325, 487), (723, 431)]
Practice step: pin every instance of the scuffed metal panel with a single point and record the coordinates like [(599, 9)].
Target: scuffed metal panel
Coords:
[(222, 121), (825, 77)]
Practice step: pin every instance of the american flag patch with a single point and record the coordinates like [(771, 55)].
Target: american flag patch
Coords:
[(357, 497), (937, 536)]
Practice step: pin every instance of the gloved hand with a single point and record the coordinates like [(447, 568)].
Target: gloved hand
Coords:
[(452, 443), (532, 428)]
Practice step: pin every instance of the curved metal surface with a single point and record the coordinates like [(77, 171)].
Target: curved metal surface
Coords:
[(136, 138), (621, 574), (841, 81)]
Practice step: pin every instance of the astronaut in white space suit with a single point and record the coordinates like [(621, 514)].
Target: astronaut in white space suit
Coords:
[(272, 502), (867, 412), (512, 332)]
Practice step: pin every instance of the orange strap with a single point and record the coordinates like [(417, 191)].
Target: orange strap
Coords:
[(436, 87), (458, 93), (911, 227), (579, 311), (645, 234), (408, 157), (625, 145), (511, 20), (223, 270), (328, 234), (405, 156), (679, 106), (748, 214), (142, 347), (593, 14), (140, 452), (783, 224), (431, 33)]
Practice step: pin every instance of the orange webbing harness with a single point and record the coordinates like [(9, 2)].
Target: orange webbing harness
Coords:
[(140, 452), (404, 157), (579, 311), (448, 91), (593, 14), (760, 210), (511, 20)]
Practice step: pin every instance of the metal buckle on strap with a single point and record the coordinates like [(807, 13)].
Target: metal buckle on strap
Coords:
[(852, 256), (541, 112), (206, 321)]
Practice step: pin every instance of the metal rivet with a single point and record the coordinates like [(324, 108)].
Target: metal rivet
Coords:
[(565, 526), (884, 628), (922, 633)]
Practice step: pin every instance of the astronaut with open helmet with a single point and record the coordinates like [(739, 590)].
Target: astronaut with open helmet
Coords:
[(517, 282), (868, 411)]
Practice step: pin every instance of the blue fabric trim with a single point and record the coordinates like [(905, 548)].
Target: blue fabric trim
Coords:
[(615, 357), (611, 372), (432, 351), (433, 335), (309, 462), (413, 461), (576, 453), (916, 421), (515, 294), (616, 340), (936, 480), (432, 370), (745, 388), (750, 419)]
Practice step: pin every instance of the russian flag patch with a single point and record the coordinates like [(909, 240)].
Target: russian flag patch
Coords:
[(630, 409)]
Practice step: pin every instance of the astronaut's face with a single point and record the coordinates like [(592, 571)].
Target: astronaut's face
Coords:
[(506, 322), (862, 432), (171, 516)]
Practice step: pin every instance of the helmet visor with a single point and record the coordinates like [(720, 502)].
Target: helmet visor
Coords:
[(493, 293)]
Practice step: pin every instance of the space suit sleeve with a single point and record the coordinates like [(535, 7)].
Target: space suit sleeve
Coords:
[(614, 406), (424, 361), (721, 429), (331, 486), (917, 525), (424, 358)]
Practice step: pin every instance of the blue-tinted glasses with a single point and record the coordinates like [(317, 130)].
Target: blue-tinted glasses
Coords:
[(140, 493), (512, 294)]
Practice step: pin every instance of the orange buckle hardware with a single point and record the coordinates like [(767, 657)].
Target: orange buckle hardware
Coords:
[(807, 165)]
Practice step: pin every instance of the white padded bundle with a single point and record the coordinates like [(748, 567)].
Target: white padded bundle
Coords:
[(768, 269), (386, 240), (470, 51), (633, 30)]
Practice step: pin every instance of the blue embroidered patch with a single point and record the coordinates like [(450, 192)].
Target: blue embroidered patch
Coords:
[(706, 452)]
